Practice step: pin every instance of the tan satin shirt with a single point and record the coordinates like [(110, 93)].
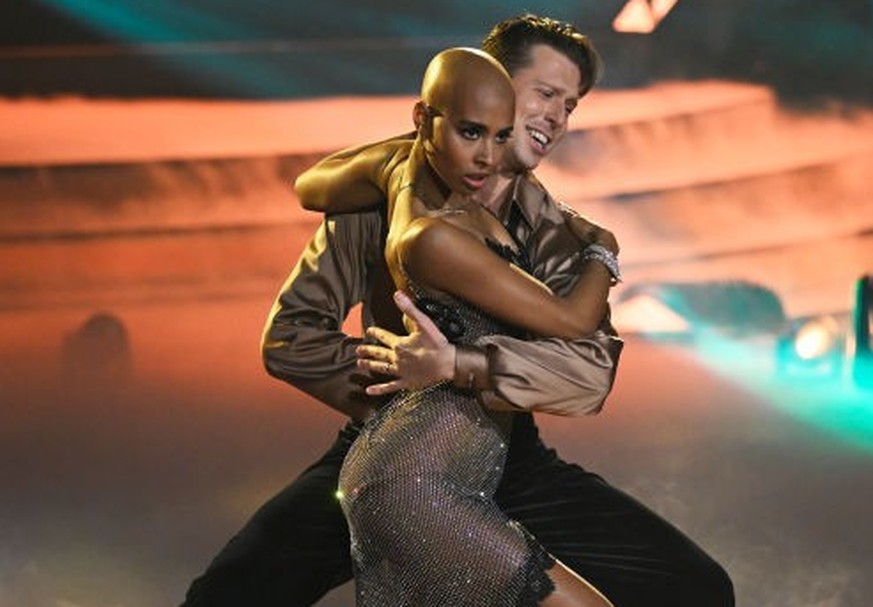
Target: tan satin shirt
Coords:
[(343, 265)]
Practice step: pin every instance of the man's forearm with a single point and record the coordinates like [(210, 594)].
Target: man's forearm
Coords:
[(303, 343), (555, 376), (322, 364)]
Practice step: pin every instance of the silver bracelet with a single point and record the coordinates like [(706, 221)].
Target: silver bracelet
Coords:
[(598, 252)]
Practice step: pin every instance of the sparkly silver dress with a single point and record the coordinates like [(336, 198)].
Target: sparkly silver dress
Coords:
[(417, 490)]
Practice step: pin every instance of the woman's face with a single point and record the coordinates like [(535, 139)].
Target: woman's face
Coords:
[(467, 138)]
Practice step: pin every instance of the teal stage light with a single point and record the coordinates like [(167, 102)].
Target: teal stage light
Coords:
[(862, 324), (812, 347)]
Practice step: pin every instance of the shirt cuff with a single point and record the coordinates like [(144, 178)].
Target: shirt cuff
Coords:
[(471, 368)]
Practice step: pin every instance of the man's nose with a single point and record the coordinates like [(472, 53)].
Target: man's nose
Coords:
[(555, 114)]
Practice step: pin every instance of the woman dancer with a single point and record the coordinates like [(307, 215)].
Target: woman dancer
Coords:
[(418, 483)]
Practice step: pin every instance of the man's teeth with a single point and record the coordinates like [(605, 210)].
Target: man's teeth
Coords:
[(539, 137)]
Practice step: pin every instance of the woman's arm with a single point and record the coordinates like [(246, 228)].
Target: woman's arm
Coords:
[(434, 251), (437, 254), (354, 179)]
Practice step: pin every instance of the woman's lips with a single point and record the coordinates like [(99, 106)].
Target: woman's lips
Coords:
[(474, 182)]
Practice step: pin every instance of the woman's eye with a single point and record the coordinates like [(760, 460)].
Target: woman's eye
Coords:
[(503, 136), (470, 133)]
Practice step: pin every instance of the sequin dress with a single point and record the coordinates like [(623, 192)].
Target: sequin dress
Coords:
[(417, 490)]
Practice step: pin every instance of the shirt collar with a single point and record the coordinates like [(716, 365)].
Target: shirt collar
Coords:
[(528, 196)]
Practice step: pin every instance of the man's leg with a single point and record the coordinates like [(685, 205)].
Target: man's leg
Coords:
[(629, 553), (291, 552)]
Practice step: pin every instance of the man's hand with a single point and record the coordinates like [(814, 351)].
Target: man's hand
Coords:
[(422, 358)]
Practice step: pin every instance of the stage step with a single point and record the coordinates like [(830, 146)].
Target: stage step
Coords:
[(700, 181)]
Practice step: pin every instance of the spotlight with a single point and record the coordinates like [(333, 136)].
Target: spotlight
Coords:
[(816, 338), (642, 16), (812, 347)]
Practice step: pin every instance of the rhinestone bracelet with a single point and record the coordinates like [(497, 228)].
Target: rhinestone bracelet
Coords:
[(600, 253)]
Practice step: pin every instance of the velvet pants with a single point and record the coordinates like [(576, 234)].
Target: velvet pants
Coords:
[(295, 548)]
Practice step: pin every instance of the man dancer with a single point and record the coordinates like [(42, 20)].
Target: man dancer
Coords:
[(295, 548)]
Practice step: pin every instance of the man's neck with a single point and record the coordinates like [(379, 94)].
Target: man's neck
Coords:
[(498, 191)]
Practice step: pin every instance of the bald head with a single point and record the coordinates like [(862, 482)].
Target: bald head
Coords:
[(465, 117), (469, 73)]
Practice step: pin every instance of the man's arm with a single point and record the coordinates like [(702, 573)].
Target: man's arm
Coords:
[(583, 369), (562, 377), (303, 342)]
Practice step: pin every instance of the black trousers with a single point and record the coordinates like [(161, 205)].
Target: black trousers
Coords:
[(296, 547)]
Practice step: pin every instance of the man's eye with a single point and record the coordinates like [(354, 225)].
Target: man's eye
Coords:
[(548, 94)]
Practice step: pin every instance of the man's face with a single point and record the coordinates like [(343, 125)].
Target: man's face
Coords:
[(546, 93), (470, 136)]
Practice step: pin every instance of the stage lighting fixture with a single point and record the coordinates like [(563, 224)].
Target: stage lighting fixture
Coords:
[(812, 347), (862, 326), (642, 16), (816, 338)]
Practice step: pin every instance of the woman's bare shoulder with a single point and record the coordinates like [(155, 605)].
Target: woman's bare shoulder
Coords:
[(436, 251), (439, 232)]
